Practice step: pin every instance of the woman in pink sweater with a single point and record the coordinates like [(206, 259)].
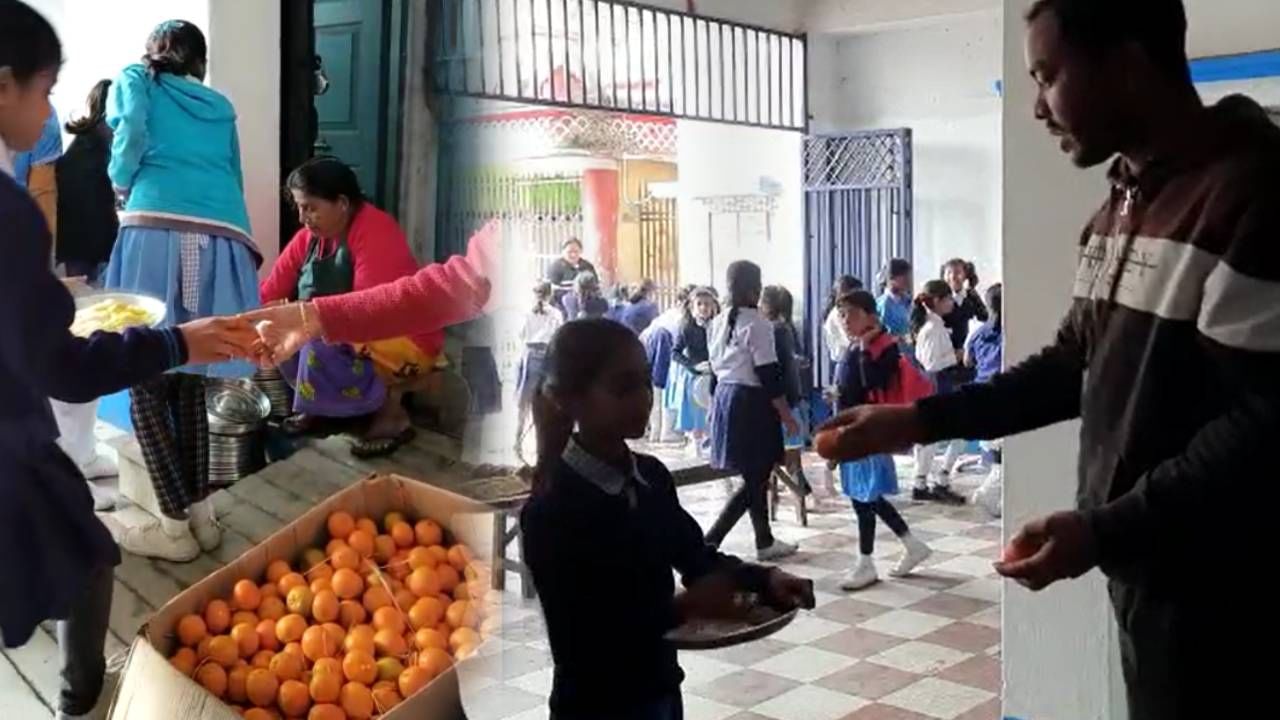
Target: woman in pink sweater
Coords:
[(348, 245)]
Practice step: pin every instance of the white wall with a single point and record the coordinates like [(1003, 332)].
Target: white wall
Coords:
[(937, 79), (719, 159)]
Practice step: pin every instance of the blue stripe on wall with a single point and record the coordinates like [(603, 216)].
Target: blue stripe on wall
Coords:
[(1236, 67)]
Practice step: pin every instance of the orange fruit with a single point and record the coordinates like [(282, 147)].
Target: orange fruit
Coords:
[(402, 534), (347, 584), (404, 598), (213, 678), (461, 614), (299, 601), (246, 639), (244, 616), (261, 687), (423, 582), (286, 666), (332, 547), (357, 701), (325, 607), (277, 569), (224, 651), (329, 666), (290, 628), (320, 572), (428, 533), (412, 680), (399, 567), (295, 648), (427, 638), (463, 636), (184, 661), (316, 644), (438, 554), (389, 669), (434, 661), (459, 557), (326, 711), (262, 658), (237, 684), (217, 616), (311, 557), (362, 542), (377, 597), (359, 667), (425, 613), (359, 639), (326, 687), (391, 519), (345, 557), (352, 613), (191, 630), (319, 584), (289, 582), (294, 698), (449, 577), (384, 547), (246, 595), (272, 607), (420, 557), (366, 525), (267, 640), (388, 618), (388, 642), (268, 590), (386, 697), (340, 525), (336, 633), (259, 714)]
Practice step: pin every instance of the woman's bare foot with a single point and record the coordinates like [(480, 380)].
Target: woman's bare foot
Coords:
[(389, 429)]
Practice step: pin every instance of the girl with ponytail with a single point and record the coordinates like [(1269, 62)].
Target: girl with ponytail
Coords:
[(540, 324), (941, 361), (748, 409), (894, 300), (604, 522)]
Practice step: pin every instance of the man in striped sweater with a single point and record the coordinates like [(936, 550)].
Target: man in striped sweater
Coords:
[(1169, 354)]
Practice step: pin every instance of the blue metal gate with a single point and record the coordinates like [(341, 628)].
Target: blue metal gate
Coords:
[(857, 218)]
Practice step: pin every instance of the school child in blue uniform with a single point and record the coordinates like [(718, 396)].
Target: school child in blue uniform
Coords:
[(894, 303), (603, 531), (748, 409), (870, 367), (690, 361)]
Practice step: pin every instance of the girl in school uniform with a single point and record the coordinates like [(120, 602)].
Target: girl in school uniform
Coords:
[(748, 410), (894, 301), (49, 537), (870, 366), (938, 358), (657, 342), (603, 531), (833, 335), (690, 361), (776, 305), (585, 301), (539, 325)]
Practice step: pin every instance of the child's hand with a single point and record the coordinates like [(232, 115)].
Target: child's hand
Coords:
[(788, 592)]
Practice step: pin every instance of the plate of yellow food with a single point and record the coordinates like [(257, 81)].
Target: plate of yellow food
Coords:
[(115, 312)]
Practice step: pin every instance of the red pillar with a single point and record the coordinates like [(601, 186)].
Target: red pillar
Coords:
[(600, 218)]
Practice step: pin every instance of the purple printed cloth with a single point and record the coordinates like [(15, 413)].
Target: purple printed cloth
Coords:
[(333, 381)]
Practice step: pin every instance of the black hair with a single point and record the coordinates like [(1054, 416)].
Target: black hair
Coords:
[(577, 356), (780, 302), (995, 303), (28, 43), (843, 284), (934, 290), (969, 270), (896, 267), (743, 282), (542, 291), (1159, 27), (684, 294), (586, 285), (641, 291), (858, 300), (97, 103), (695, 293), (176, 47), (327, 178), (571, 241)]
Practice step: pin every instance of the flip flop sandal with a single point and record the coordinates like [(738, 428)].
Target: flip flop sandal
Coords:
[(299, 424), (382, 447)]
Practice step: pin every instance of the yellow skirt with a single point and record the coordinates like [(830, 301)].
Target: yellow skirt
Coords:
[(400, 361)]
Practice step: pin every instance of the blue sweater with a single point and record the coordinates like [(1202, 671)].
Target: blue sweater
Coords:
[(49, 536), (176, 150)]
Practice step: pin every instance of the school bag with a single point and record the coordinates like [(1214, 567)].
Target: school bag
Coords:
[(908, 385)]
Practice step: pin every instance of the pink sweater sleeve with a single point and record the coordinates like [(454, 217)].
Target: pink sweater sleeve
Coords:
[(282, 283), (433, 298)]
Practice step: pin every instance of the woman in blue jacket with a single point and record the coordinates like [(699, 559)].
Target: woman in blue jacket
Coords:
[(185, 238)]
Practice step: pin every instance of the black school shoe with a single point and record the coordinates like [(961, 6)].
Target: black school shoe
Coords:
[(944, 495)]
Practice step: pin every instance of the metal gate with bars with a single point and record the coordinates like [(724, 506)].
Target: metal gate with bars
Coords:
[(857, 218), (659, 247)]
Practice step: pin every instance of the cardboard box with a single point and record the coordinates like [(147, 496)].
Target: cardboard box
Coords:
[(152, 689)]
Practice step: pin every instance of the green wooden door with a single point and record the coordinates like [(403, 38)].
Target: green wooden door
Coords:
[(351, 42)]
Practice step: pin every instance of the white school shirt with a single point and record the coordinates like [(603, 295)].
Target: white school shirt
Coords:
[(834, 335), (933, 345), (735, 359), (539, 327)]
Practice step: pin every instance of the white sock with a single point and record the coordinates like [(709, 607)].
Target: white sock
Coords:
[(866, 560), (173, 527), (202, 512)]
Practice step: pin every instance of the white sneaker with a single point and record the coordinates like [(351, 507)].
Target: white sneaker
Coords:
[(104, 498), (100, 467), (915, 553), (205, 526), (776, 551), (151, 540), (861, 576)]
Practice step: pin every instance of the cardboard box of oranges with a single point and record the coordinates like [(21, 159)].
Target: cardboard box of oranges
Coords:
[(361, 608)]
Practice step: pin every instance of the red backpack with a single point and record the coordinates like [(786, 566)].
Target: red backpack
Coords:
[(908, 385)]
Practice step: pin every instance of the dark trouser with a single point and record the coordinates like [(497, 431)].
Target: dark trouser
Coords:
[(753, 498), (172, 426), (82, 641), (90, 271), (670, 707), (867, 513)]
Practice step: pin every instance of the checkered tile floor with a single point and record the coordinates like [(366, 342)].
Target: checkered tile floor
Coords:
[(926, 646)]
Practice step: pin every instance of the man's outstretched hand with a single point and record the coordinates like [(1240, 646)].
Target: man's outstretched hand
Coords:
[(869, 430), (1060, 546)]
